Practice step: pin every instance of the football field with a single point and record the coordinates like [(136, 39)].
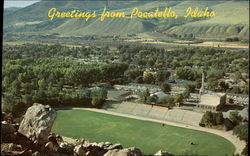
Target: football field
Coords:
[(147, 136)]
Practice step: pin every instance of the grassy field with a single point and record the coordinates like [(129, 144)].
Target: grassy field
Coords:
[(148, 136)]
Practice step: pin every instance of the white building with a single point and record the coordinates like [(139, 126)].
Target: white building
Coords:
[(212, 101)]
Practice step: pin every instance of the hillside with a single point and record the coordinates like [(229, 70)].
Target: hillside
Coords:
[(225, 24), (10, 10), (108, 26), (232, 20)]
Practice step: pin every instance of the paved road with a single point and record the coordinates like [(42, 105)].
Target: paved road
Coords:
[(238, 144)]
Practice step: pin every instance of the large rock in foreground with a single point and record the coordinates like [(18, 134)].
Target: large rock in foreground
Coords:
[(37, 123)]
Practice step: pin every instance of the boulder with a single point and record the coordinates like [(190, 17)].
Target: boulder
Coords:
[(7, 128), (94, 149), (107, 143), (132, 151), (115, 146), (59, 139), (24, 141), (36, 154), (55, 140), (14, 147), (93, 144), (66, 148), (79, 151), (37, 123), (163, 153), (16, 126), (116, 152), (7, 117), (80, 141), (26, 152), (7, 132), (50, 146), (52, 137)]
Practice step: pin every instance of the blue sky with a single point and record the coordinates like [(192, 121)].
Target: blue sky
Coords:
[(18, 3)]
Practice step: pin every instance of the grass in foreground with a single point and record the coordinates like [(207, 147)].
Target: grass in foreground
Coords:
[(148, 136)]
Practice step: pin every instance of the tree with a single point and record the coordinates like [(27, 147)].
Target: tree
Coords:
[(15, 87), (212, 118), (212, 78), (39, 96), (197, 83), (241, 131), (168, 101), (60, 84), (235, 117), (145, 95), (209, 119), (132, 74), (5, 83), (42, 84), (206, 119), (245, 150), (8, 103), (178, 98), (190, 87), (96, 101), (186, 93), (246, 89), (148, 78), (113, 71), (161, 76), (152, 99), (18, 108), (219, 118), (72, 76), (165, 87), (212, 83), (187, 73), (139, 79), (236, 90), (27, 99), (51, 78), (224, 86), (99, 93), (150, 62), (26, 87)]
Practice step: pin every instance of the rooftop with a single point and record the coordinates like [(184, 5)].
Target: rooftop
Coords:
[(160, 95), (211, 99)]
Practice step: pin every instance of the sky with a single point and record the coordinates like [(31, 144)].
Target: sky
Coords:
[(16, 3)]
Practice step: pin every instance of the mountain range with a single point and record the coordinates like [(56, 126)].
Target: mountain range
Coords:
[(231, 19)]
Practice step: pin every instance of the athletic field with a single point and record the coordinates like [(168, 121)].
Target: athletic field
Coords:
[(148, 136)]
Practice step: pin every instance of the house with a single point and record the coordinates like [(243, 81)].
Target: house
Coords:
[(159, 96), (137, 88), (212, 101), (169, 81)]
